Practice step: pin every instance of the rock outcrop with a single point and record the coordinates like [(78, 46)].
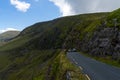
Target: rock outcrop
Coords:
[(105, 41)]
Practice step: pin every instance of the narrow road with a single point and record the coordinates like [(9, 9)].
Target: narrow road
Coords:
[(94, 69)]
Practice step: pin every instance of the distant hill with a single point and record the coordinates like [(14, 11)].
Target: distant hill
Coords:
[(30, 53), (6, 36)]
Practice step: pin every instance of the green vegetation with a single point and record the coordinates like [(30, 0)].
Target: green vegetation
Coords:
[(6, 36), (40, 65), (3, 61), (106, 59), (52, 34), (12, 44), (27, 66), (59, 68), (9, 34), (35, 53)]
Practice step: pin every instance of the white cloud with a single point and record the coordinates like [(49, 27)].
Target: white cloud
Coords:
[(65, 7), (8, 29), (20, 5), (71, 7)]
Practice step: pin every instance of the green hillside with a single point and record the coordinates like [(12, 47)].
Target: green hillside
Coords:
[(29, 56), (52, 34), (7, 36)]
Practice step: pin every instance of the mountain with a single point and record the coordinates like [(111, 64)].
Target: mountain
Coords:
[(6, 36), (35, 53)]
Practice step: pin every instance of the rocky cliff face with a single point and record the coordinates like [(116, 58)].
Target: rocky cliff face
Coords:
[(105, 41)]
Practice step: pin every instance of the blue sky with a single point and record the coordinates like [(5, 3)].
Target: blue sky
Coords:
[(19, 14), (41, 10)]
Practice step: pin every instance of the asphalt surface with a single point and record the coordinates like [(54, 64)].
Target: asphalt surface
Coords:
[(94, 69)]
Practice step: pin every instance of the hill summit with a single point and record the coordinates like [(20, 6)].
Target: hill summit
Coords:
[(6, 36), (30, 55)]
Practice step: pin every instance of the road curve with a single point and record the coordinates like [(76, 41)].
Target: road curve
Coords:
[(94, 69)]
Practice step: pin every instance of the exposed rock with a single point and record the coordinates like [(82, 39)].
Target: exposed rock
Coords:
[(105, 41)]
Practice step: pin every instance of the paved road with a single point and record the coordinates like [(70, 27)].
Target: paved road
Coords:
[(94, 69)]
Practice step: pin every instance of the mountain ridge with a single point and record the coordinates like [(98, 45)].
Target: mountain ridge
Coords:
[(7, 36), (42, 41)]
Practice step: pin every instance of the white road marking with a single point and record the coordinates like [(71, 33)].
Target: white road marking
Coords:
[(87, 77), (69, 73), (76, 62), (80, 68)]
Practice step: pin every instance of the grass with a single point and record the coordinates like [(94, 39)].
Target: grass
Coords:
[(4, 61), (58, 68), (26, 61), (107, 59), (14, 43), (25, 67)]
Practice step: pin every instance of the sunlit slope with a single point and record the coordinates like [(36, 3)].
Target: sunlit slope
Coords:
[(26, 55), (7, 36)]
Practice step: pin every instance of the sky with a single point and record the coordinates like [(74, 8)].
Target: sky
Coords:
[(19, 14)]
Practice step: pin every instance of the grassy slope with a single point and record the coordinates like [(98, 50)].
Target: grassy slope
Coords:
[(110, 18), (52, 34), (45, 35), (4, 37), (58, 68), (9, 34), (24, 55), (108, 60), (28, 66)]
